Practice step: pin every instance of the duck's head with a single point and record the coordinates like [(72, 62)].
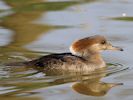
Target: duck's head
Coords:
[(91, 45)]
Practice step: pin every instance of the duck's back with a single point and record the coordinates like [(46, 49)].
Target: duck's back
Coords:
[(56, 61)]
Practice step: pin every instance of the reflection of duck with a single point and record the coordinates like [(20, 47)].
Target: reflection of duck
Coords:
[(92, 86), (85, 56), (94, 89)]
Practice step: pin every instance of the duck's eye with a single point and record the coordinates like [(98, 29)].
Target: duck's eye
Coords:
[(103, 42)]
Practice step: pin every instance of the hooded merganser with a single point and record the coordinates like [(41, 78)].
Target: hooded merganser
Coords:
[(85, 55)]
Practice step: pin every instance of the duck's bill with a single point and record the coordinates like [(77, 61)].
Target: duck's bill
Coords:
[(116, 48), (115, 84), (110, 47)]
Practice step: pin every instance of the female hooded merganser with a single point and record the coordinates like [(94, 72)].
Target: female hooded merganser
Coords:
[(85, 55)]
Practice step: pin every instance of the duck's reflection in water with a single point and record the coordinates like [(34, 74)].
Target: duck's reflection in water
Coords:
[(93, 86), (88, 84)]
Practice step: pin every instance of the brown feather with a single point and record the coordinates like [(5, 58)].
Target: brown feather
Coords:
[(84, 43)]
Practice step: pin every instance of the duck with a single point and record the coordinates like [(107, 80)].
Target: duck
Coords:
[(85, 55)]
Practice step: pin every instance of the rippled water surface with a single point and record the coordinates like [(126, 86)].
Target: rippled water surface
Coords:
[(32, 28)]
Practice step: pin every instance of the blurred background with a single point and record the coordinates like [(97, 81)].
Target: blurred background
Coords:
[(32, 28)]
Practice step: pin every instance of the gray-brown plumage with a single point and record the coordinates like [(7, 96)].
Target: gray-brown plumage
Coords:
[(57, 61), (85, 55)]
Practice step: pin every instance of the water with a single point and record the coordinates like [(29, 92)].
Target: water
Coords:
[(32, 28)]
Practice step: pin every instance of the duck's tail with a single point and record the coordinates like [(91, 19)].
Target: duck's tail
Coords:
[(16, 64)]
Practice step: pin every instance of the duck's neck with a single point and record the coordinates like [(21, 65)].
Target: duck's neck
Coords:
[(95, 58)]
